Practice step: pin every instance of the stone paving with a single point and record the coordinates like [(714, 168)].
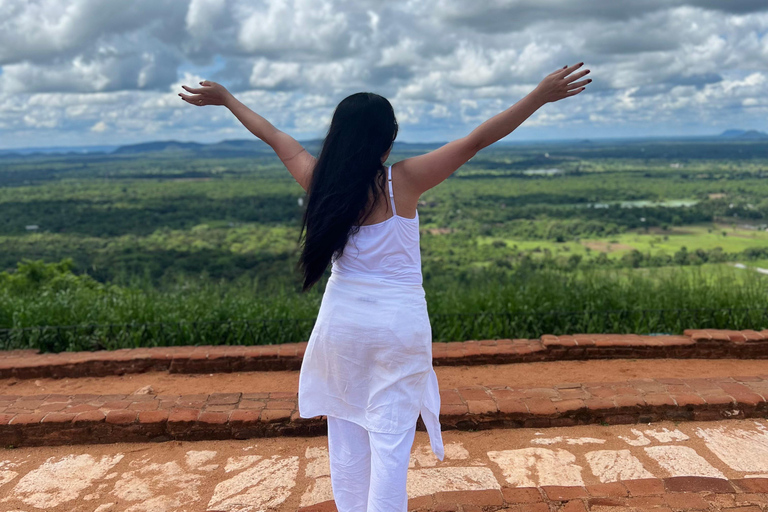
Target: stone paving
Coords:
[(666, 466)]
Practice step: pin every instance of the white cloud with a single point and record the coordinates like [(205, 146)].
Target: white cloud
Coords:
[(99, 127), (99, 68)]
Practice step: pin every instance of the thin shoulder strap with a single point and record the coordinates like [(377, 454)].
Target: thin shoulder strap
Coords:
[(391, 192)]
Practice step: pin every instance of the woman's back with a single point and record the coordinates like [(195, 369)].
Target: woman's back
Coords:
[(383, 251)]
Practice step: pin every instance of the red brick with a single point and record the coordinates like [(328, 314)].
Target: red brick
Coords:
[(53, 407), (697, 334), (751, 484), (118, 404), (644, 487), (419, 503), (144, 406), (121, 417), (752, 498), (244, 416), (481, 406), (562, 406), (274, 415), (251, 404), (280, 404), (57, 398), (561, 493), (224, 398), (644, 502), (153, 416), (599, 404), (514, 495), (58, 417), (541, 393), (613, 489), (453, 410), (485, 498), (94, 416), (685, 399), (659, 399), (212, 418), (512, 406), (535, 507), (742, 394), (450, 396), (181, 415), (282, 395), (30, 405), (573, 506), (630, 401), (27, 418), (82, 408), (607, 502), (697, 484), (254, 396), (718, 398), (540, 406), (474, 393), (601, 391), (686, 500), (220, 408), (200, 397)]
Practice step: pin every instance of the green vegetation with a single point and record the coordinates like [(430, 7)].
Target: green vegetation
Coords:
[(518, 232)]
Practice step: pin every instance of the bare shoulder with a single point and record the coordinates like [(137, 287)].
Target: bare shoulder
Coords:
[(406, 190), (422, 172)]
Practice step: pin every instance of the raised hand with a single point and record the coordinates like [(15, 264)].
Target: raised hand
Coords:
[(562, 84), (210, 93)]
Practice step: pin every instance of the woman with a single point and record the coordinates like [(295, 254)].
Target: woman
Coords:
[(368, 363)]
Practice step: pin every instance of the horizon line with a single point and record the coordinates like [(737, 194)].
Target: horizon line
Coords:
[(502, 141)]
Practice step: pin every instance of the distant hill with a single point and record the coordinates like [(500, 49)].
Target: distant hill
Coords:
[(744, 134), (236, 147), (58, 150), (224, 148), (166, 146), (254, 146)]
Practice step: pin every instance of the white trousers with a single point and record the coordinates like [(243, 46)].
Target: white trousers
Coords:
[(368, 469)]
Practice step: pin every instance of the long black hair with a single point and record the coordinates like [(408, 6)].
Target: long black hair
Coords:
[(347, 171)]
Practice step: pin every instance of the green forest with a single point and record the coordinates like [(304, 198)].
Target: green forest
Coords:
[(165, 244)]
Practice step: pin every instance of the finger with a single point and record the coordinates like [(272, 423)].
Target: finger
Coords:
[(578, 75), (576, 85), (567, 71), (557, 71), (190, 89), (192, 99), (574, 93)]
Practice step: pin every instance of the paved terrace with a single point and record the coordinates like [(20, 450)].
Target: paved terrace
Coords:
[(666, 467), (664, 444), (694, 343)]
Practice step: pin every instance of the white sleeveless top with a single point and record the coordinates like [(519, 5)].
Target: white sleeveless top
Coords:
[(369, 357), (387, 251)]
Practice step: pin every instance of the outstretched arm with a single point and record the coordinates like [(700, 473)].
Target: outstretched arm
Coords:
[(425, 171), (295, 158)]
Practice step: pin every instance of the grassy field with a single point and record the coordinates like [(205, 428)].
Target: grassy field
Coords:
[(509, 247), (704, 236)]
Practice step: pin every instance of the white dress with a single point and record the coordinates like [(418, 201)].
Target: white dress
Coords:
[(369, 357)]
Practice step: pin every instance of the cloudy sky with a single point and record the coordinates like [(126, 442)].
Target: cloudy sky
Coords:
[(90, 72)]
